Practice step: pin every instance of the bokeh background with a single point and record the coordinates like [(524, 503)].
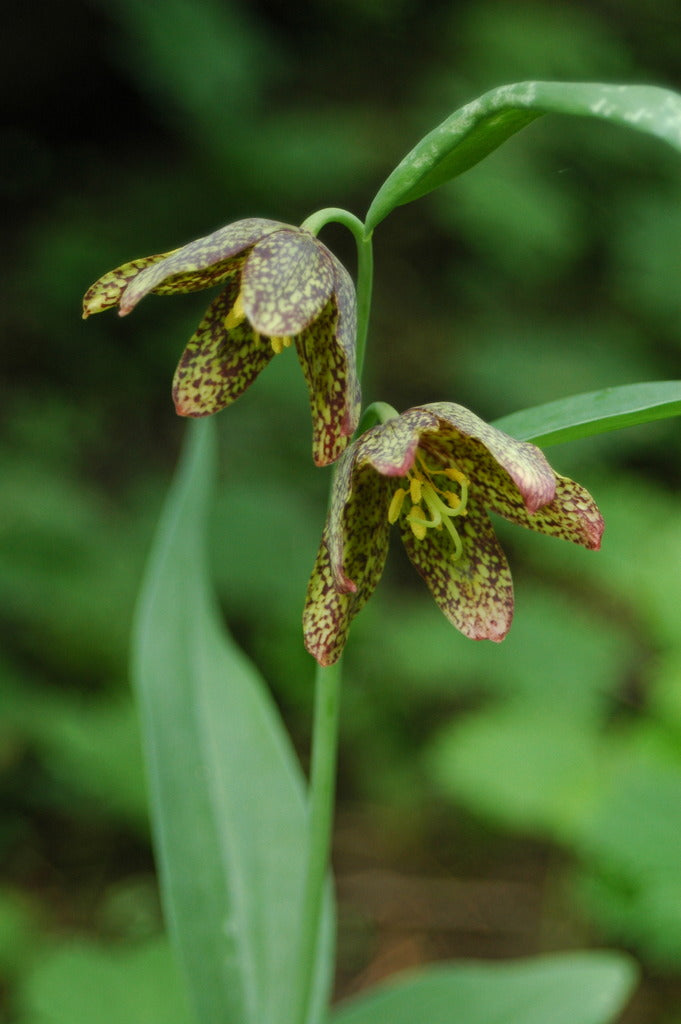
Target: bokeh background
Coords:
[(493, 800)]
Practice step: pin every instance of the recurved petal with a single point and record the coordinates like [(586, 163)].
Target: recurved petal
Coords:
[(199, 264), (327, 613), (107, 290), (332, 386), (572, 515), (475, 592), (358, 532), (287, 281), (391, 447), (526, 464), (329, 610), (346, 338), (218, 364)]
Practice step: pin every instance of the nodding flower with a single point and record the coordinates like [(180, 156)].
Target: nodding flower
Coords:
[(280, 286), (434, 472)]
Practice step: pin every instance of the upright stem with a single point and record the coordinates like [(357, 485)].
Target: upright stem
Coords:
[(320, 821), (327, 690)]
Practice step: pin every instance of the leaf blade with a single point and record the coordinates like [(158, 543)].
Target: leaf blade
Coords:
[(576, 988), (479, 127), (227, 794), (594, 412)]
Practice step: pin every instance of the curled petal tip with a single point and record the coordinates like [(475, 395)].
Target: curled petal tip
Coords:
[(597, 536)]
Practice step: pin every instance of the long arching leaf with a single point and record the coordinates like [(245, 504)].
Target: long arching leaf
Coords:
[(473, 131)]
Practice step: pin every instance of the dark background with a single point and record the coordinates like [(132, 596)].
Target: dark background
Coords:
[(493, 801)]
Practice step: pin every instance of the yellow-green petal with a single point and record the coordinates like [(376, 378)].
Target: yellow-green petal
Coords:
[(327, 613), (286, 282), (475, 592), (218, 364), (107, 290), (524, 463), (356, 556), (333, 397), (572, 515), (391, 447), (199, 264), (346, 340)]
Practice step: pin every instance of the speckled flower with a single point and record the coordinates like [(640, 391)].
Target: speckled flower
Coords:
[(435, 471), (279, 285)]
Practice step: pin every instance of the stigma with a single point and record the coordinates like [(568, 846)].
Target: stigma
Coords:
[(434, 504)]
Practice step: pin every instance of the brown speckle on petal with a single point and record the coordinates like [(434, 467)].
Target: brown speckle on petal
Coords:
[(572, 515), (218, 364), (475, 592), (286, 283), (107, 290), (199, 264)]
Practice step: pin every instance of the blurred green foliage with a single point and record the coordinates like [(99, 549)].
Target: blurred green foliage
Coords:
[(551, 268)]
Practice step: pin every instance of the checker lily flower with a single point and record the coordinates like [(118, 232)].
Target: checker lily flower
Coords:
[(434, 472), (280, 285)]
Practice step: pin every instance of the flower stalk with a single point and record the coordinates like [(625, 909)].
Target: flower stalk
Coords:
[(321, 800), (327, 684)]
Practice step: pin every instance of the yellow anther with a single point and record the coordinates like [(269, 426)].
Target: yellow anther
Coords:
[(456, 474), (418, 527), (396, 504), (236, 313), (279, 343), (432, 507)]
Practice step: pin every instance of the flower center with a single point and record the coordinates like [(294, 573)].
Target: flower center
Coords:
[(432, 506), (236, 315)]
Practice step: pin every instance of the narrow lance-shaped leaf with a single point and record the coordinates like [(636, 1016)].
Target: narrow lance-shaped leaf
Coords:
[(227, 796), (473, 131), (572, 988), (594, 412)]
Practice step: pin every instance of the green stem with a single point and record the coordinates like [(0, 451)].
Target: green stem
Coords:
[(327, 689), (365, 266), (320, 819)]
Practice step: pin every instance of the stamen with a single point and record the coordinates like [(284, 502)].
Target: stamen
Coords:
[(418, 526), (236, 313), (279, 343), (432, 507), (456, 474), (396, 505)]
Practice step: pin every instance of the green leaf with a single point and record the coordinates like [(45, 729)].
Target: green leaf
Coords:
[(118, 985), (594, 412), (473, 131), (227, 794), (575, 988)]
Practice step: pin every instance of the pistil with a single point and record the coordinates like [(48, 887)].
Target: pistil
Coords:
[(441, 506)]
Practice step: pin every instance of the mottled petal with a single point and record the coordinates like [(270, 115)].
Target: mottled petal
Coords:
[(572, 515), (358, 532), (200, 264), (391, 447), (341, 490), (107, 290), (286, 282), (329, 610), (526, 464), (334, 408), (346, 339), (218, 364), (475, 592)]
